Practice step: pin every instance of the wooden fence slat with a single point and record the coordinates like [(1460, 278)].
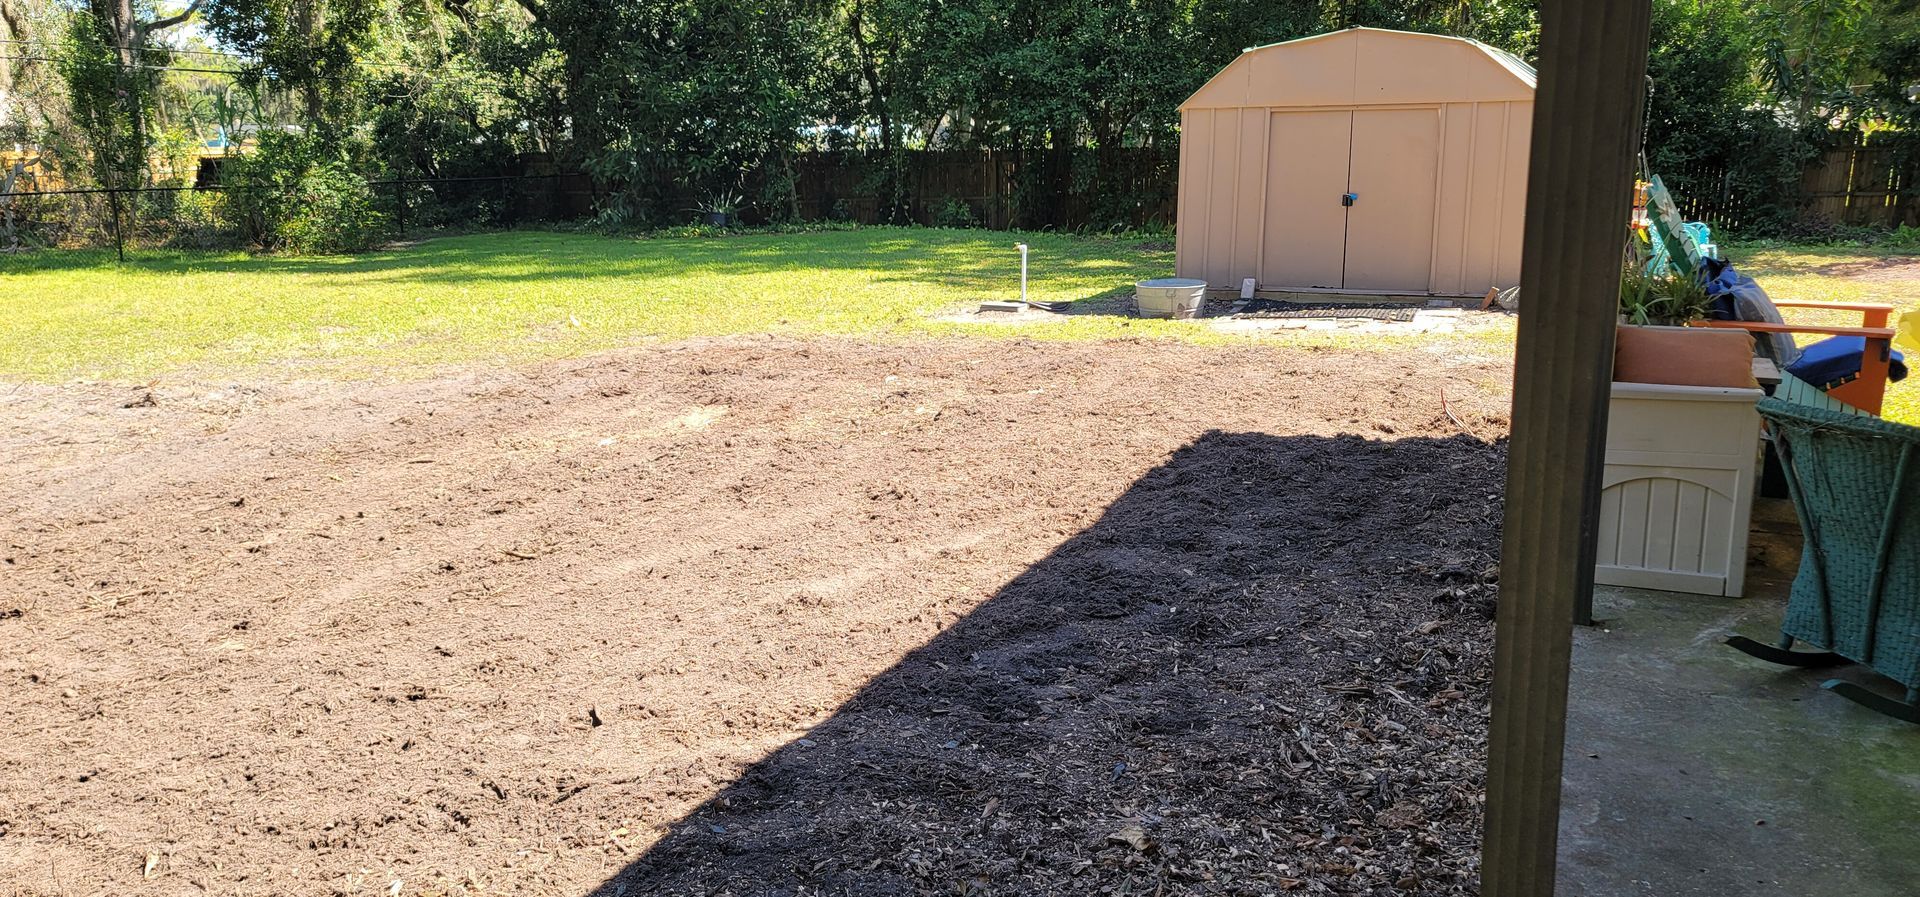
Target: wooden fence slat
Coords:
[(1872, 182)]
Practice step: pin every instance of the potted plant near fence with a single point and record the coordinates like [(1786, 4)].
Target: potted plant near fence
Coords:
[(721, 209)]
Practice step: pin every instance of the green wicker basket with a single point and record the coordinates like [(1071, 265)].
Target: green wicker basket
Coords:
[(1857, 492)]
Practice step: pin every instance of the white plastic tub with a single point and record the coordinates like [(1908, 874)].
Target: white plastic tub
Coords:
[(1170, 297), (1677, 495)]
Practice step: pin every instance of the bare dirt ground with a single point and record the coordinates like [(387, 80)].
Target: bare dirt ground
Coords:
[(756, 616), (1891, 268)]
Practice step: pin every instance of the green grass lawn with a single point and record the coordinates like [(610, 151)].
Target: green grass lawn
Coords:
[(533, 294), (1839, 274)]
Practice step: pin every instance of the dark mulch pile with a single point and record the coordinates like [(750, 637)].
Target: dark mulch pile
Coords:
[(1264, 669)]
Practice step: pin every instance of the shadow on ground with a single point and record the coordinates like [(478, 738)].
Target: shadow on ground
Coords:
[(1264, 668)]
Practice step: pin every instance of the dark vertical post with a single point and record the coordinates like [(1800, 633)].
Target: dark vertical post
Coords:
[(1586, 131), (119, 241), (993, 190), (400, 179)]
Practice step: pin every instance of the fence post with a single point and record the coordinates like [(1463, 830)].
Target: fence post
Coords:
[(993, 191), (119, 241)]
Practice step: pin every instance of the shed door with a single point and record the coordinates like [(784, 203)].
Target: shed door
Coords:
[(1305, 233), (1388, 160), (1395, 160)]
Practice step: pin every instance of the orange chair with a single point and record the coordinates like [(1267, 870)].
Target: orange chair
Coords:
[(1868, 391)]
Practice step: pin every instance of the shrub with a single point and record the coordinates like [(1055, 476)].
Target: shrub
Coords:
[(954, 212), (197, 220), (286, 196), (333, 211), (1812, 228), (1906, 239)]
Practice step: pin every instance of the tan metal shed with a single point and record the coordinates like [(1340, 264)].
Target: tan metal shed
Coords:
[(1363, 160)]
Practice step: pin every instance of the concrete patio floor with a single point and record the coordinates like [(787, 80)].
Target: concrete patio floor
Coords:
[(1693, 769)]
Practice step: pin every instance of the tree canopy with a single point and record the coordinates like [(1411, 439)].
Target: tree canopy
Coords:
[(716, 96)]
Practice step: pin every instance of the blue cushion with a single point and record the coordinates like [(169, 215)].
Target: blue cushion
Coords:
[(1835, 361), (1737, 297)]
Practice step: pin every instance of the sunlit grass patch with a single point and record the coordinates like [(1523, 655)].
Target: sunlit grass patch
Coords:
[(1839, 274), (531, 294)]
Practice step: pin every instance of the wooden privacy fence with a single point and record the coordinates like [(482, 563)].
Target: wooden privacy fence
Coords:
[(1000, 189), (1869, 182), (873, 187), (1858, 181), (1081, 188), (1862, 182), (1705, 194)]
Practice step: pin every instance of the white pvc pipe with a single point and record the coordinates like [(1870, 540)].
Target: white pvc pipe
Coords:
[(1023, 271)]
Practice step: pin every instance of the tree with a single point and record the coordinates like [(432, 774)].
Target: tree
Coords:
[(710, 94), (1709, 130), (1839, 61), (14, 27), (1892, 40), (113, 72), (312, 47), (572, 27), (466, 88)]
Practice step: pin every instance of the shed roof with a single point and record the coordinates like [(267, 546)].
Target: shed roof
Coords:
[(1367, 66)]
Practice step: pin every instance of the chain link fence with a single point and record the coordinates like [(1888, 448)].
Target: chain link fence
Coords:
[(115, 223), (40, 212)]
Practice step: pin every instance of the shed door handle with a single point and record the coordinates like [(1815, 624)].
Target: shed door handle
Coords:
[(1348, 199)]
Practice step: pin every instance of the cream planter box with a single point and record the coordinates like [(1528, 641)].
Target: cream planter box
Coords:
[(1677, 491)]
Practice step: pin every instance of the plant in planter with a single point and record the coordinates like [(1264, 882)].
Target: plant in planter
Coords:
[(1680, 426), (1655, 345), (721, 209), (1683, 356), (1670, 300)]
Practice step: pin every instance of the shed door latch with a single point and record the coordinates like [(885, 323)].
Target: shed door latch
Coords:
[(1348, 199)]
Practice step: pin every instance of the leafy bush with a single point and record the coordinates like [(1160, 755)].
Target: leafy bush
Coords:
[(287, 196), (1906, 239), (954, 212), (1814, 229), (333, 211), (1710, 132), (196, 219)]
